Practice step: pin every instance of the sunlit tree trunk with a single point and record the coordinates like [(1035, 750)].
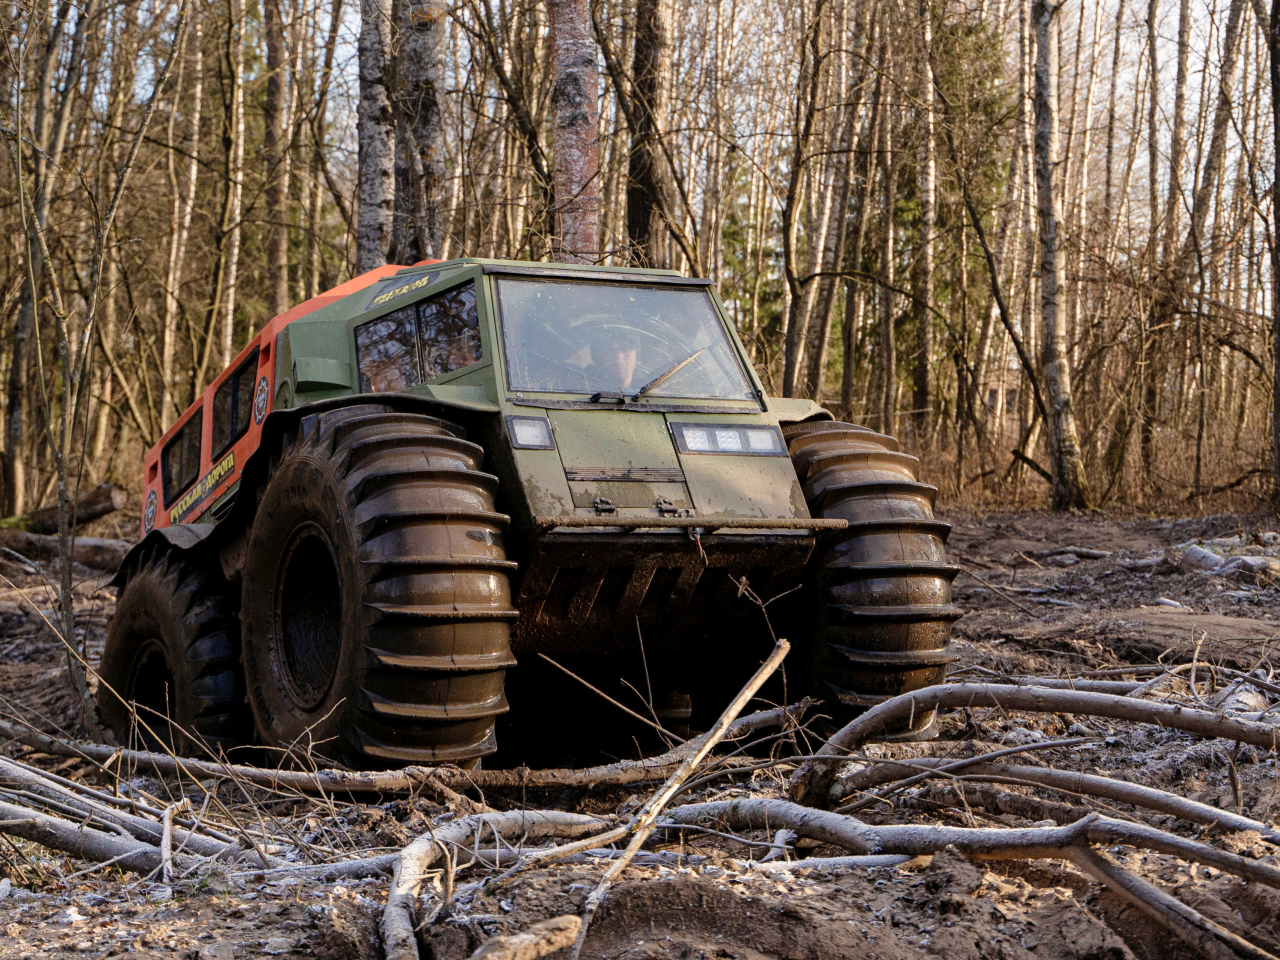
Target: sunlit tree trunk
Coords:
[(888, 352), (375, 189), (927, 181), (183, 207), (1070, 485), (419, 72), (275, 153), (575, 82), (650, 81), (1273, 45), (235, 175)]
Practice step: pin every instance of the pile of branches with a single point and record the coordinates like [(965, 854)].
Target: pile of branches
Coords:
[(175, 839)]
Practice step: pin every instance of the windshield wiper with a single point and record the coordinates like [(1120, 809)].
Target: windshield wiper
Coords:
[(667, 374), (616, 397)]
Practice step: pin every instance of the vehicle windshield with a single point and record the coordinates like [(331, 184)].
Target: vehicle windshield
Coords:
[(617, 339)]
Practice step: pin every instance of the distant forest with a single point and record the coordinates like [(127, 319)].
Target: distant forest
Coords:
[(1035, 241)]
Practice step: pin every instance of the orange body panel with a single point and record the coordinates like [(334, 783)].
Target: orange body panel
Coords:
[(214, 479)]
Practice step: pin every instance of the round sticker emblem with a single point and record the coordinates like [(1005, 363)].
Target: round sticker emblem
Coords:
[(260, 399), (149, 515)]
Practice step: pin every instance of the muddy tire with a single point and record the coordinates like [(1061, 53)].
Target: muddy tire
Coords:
[(173, 649), (884, 611), (376, 599)]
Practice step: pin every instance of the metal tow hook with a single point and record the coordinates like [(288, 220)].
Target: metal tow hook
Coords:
[(665, 507), (604, 505)]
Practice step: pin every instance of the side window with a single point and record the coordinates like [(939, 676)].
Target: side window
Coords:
[(233, 406), (387, 352), (449, 330), (180, 459)]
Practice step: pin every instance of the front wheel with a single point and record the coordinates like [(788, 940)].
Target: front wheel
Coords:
[(884, 611), (376, 603)]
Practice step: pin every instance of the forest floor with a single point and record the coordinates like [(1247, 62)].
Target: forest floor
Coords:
[(1033, 608)]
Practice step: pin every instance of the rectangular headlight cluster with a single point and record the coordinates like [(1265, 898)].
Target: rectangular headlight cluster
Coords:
[(738, 439), (530, 433)]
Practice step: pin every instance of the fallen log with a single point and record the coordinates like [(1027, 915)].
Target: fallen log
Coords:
[(1014, 843), (1189, 925), (140, 828), (1066, 781), (96, 552), (408, 778), (98, 502), (83, 842), (814, 777)]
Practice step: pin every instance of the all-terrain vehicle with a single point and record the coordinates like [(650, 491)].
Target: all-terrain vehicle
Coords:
[(405, 487)]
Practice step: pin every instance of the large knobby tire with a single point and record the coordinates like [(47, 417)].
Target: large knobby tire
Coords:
[(884, 611), (173, 649), (376, 598)]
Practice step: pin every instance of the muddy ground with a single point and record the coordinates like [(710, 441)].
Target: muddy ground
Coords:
[(1119, 601)]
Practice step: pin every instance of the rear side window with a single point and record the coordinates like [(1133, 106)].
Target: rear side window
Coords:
[(387, 351), (449, 331), (180, 459), (233, 406), (420, 342)]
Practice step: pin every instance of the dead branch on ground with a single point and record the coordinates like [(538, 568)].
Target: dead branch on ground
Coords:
[(812, 781)]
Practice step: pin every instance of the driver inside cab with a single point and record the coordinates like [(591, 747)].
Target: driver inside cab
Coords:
[(615, 352)]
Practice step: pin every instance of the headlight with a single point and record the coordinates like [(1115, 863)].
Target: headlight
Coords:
[(742, 440), (530, 433)]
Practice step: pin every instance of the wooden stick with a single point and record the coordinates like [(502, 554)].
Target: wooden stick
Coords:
[(645, 822), (398, 938), (814, 777), (407, 778), (1208, 938), (621, 706), (166, 838)]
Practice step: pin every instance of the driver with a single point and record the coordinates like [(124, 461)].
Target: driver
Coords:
[(614, 356)]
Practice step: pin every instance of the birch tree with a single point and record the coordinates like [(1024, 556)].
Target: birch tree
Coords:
[(376, 133), (1070, 484), (574, 118)]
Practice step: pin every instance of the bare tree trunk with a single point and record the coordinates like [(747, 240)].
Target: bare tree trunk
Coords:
[(928, 180), (376, 183), (575, 82), (50, 137), (806, 113), (419, 72), (183, 207), (275, 153), (834, 251), (1273, 45), (319, 125), (646, 181), (235, 175), (1070, 485), (888, 345), (1178, 135)]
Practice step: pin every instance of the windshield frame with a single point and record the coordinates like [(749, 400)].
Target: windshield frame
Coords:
[(582, 400)]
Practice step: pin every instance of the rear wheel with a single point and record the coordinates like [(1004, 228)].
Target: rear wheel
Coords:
[(172, 650), (884, 585), (376, 604)]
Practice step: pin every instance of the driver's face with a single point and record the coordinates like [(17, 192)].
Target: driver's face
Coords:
[(617, 360)]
